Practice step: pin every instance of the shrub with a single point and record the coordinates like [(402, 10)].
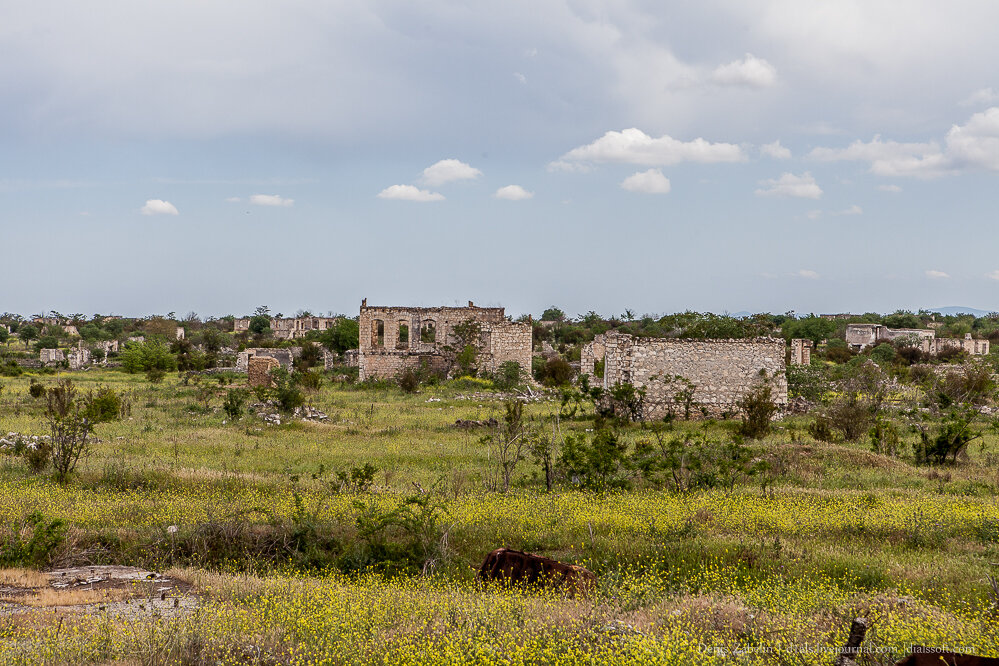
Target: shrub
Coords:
[(758, 409), (806, 381), (508, 375), (883, 354), (46, 537), (953, 437), (598, 464), (821, 428), (285, 392), (36, 389), (104, 406), (37, 456), (850, 415), (358, 479), (557, 372), (409, 380), (235, 399), (885, 438), (311, 380), (155, 375)]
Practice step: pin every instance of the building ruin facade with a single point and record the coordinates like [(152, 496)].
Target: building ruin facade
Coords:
[(393, 339), (719, 373), (289, 328), (861, 336)]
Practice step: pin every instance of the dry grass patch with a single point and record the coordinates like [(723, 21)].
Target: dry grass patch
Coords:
[(49, 597), (23, 578)]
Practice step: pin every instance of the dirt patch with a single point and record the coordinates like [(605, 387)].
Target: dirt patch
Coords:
[(115, 590)]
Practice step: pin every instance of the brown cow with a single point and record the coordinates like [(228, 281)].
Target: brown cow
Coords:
[(513, 567), (927, 656)]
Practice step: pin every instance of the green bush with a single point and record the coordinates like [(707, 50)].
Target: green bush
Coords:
[(758, 409), (146, 356), (234, 402), (409, 380), (285, 391), (36, 389), (46, 537), (104, 406)]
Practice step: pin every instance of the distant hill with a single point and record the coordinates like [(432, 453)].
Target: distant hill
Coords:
[(960, 309)]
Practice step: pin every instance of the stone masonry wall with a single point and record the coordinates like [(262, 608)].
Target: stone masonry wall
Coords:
[(259, 370), (591, 353), (723, 371)]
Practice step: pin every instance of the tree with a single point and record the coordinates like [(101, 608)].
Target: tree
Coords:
[(151, 355), (27, 333), (507, 442), (344, 335), (70, 426), (260, 324), (811, 328), (553, 314), (4, 335)]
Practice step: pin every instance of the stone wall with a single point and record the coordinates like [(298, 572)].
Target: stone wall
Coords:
[(591, 353), (722, 371), (48, 356), (78, 358), (801, 352), (395, 338), (285, 356), (259, 370), (970, 345), (861, 336)]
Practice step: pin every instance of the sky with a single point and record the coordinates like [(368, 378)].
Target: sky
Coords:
[(656, 156)]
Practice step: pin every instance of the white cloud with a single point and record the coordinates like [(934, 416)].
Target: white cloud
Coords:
[(895, 189), (513, 193), (813, 214), (233, 199), (790, 185), (633, 146), (807, 274), (158, 207), (750, 71), (981, 96), (994, 275), (936, 275), (447, 171), (520, 77), (409, 193), (974, 145), (852, 210), (647, 182), (270, 200), (775, 150)]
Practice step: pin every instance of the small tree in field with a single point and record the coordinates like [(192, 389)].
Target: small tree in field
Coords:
[(70, 426)]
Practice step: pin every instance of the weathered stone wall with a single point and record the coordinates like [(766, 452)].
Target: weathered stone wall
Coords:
[(78, 358), (259, 370), (723, 371), (801, 351), (395, 338), (968, 344), (51, 356), (506, 341), (591, 353), (285, 356)]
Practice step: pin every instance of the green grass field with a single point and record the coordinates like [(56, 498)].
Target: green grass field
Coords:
[(770, 571)]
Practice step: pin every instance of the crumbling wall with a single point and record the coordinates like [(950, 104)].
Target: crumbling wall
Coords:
[(723, 371), (395, 338), (801, 351), (51, 356), (591, 353), (259, 370), (285, 356), (78, 358)]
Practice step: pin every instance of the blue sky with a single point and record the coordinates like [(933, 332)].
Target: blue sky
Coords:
[(658, 156)]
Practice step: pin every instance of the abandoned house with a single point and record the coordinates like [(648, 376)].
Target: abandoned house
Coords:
[(396, 338), (862, 336), (720, 372), (289, 328)]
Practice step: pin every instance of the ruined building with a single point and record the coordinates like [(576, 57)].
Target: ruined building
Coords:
[(721, 372), (289, 328), (862, 336), (395, 338)]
